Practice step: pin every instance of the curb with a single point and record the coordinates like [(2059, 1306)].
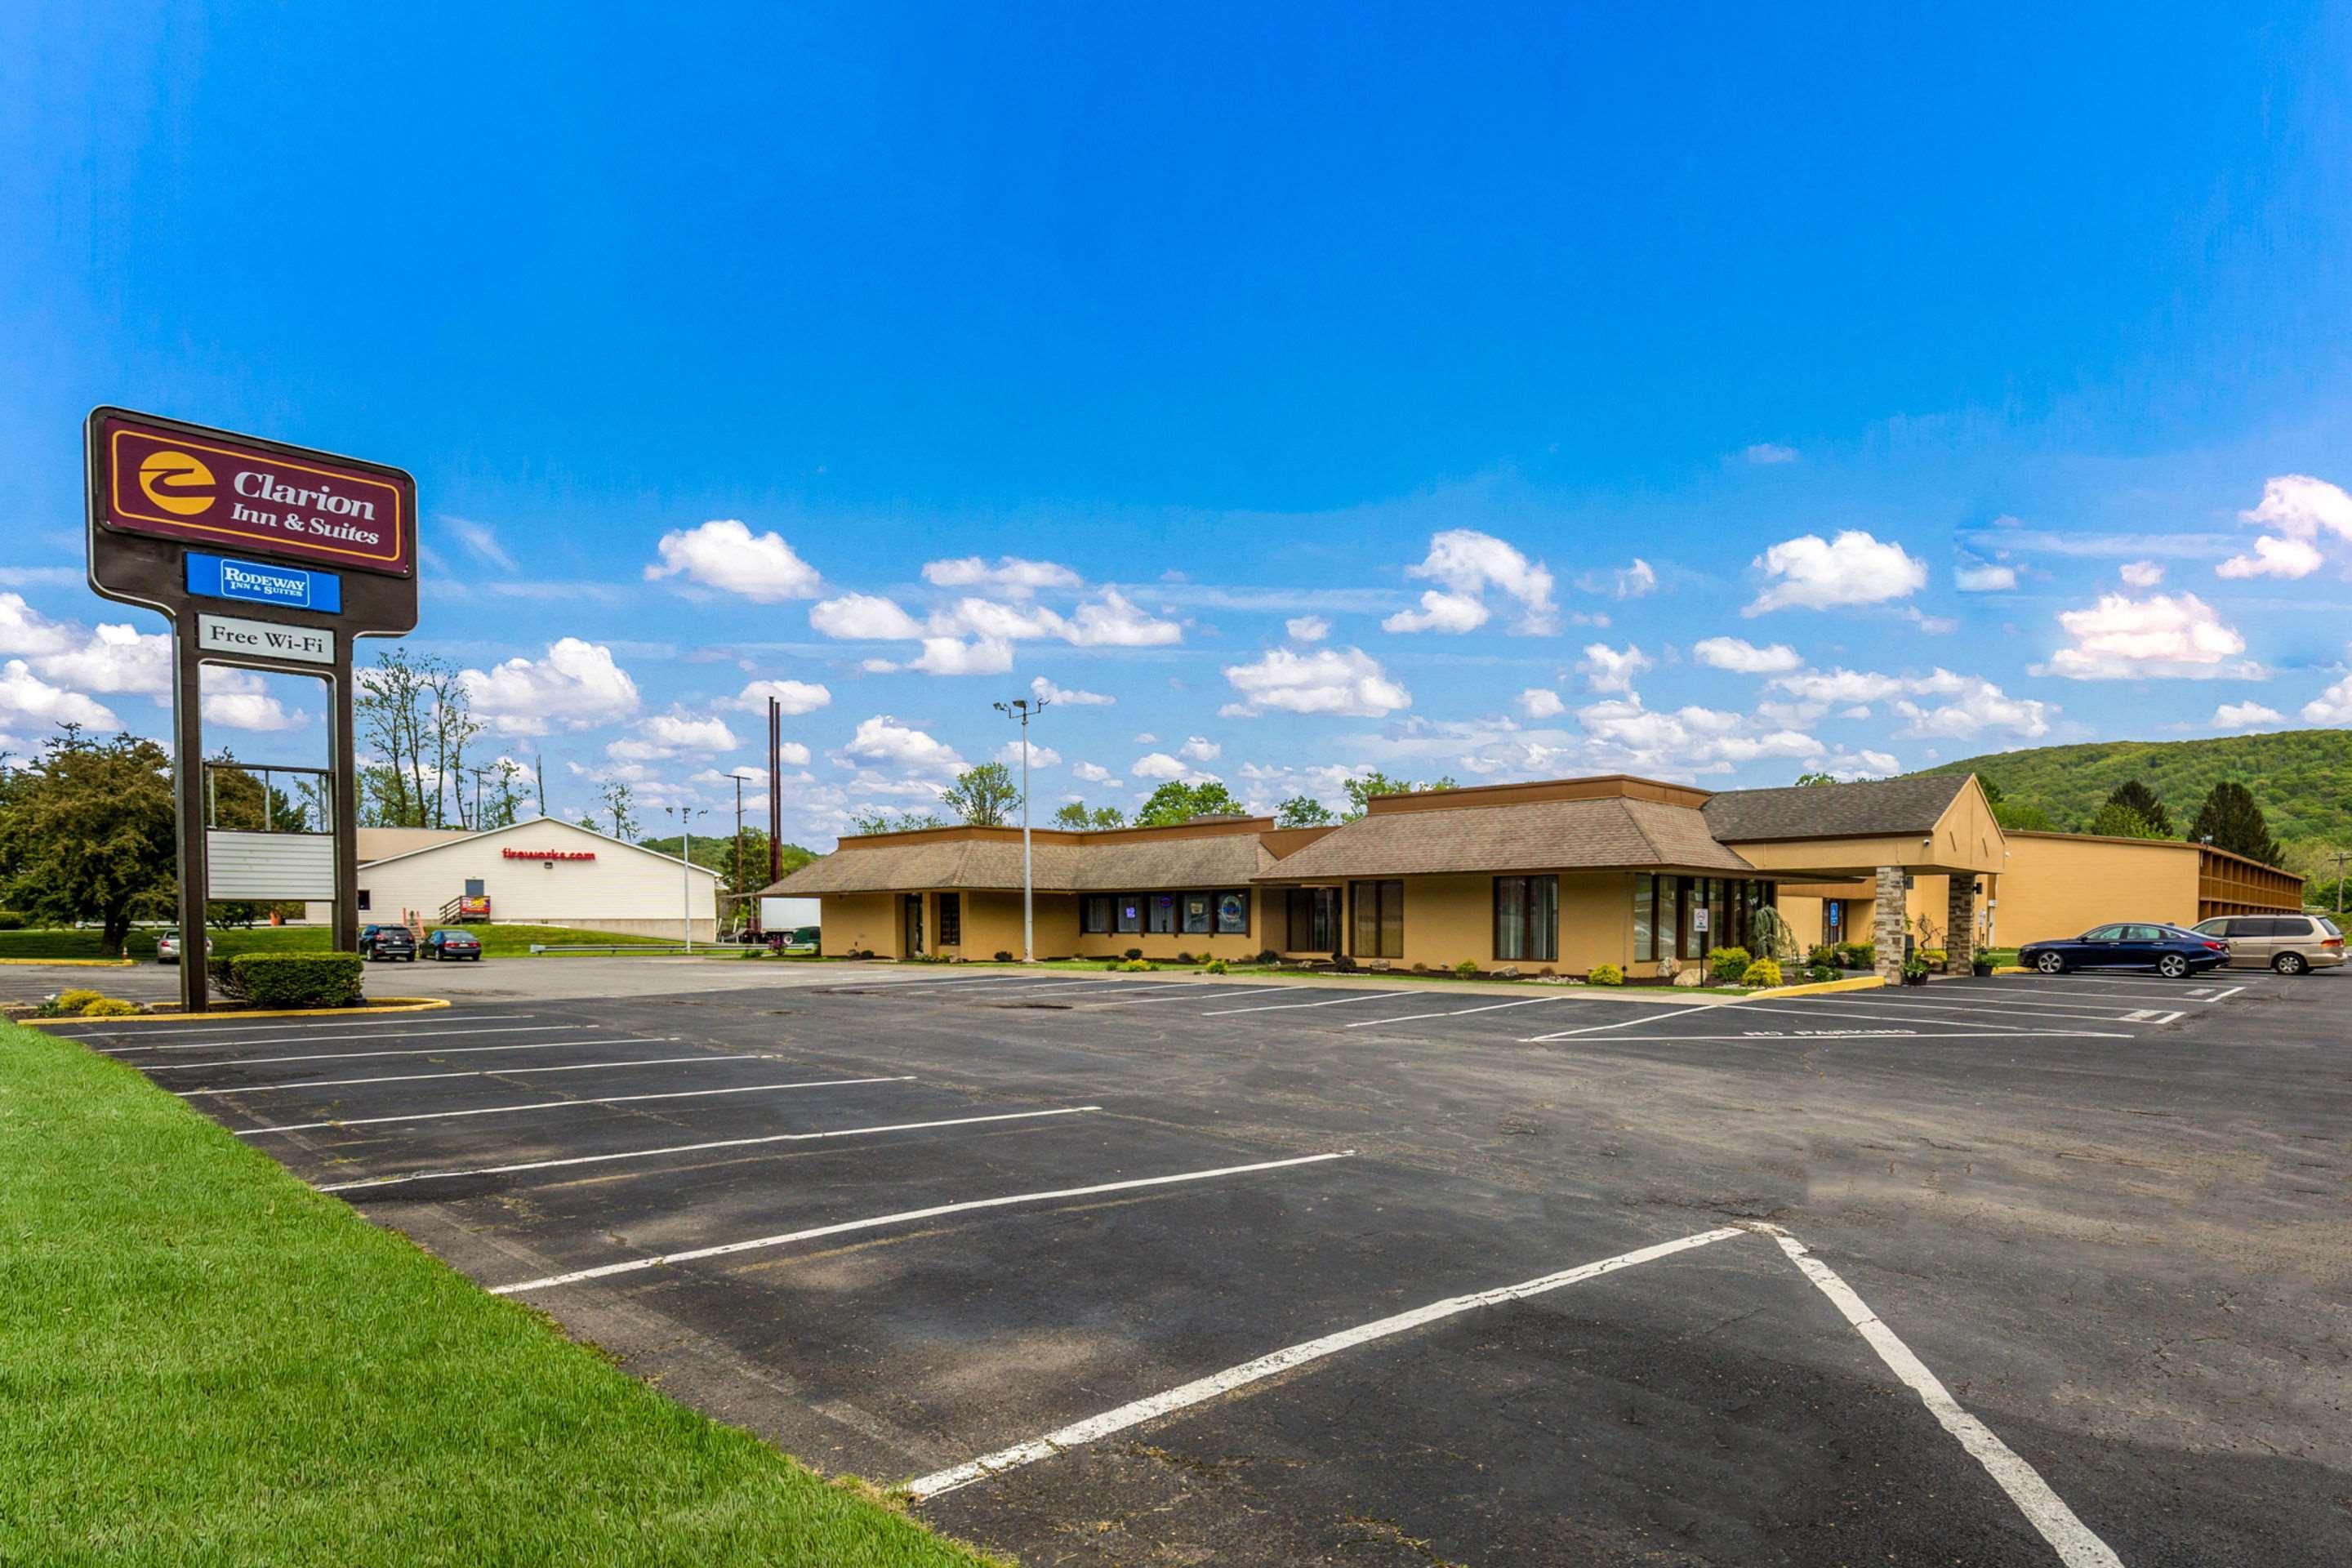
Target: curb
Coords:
[(76, 963), (388, 1004), (1818, 988)]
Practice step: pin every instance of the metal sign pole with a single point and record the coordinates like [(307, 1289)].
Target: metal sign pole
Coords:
[(188, 810)]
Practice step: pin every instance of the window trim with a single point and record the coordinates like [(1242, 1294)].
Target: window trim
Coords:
[(1527, 887)]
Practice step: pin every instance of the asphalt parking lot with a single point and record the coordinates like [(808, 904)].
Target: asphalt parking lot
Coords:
[(1128, 1270)]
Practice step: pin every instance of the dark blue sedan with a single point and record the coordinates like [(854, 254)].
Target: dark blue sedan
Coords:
[(444, 945), (2169, 951)]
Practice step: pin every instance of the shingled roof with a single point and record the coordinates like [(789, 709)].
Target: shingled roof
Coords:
[(1534, 835), (1220, 860), (1867, 808)]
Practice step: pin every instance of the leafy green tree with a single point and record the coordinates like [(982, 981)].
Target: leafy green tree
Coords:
[(881, 821), (2021, 818), (2230, 820), (1303, 811), (86, 833), (1075, 816), (1177, 801), (1361, 791), (1807, 781), (2116, 820), (984, 796), (716, 852), (2134, 795), (617, 801)]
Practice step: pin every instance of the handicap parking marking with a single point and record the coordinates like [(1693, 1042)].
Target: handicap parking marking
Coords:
[(1217, 1385), (410, 1051), (908, 1217), (562, 1104), (761, 1140)]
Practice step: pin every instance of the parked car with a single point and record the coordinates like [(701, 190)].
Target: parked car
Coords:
[(167, 947), (446, 945), (2292, 944), (2168, 949), (387, 944)]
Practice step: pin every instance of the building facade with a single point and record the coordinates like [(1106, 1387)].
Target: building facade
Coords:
[(1557, 876), (541, 872)]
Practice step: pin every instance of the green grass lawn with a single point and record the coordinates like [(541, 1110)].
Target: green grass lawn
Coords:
[(203, 1362)]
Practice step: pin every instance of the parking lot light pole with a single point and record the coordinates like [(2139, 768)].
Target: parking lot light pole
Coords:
[(686, 815), (1021, 708)]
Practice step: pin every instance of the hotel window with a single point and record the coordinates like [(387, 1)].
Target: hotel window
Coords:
[(1314, 920), (1233, 912), (363, 900), (1670, 915), (950, 919), (1380, 919), (1526, 918), (1129, 913), (1646, 919), (1094, 914), (1197, 914), (1162, 915)]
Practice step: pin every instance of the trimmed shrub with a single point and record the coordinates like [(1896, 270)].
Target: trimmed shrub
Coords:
[(1729, 963), (1002, 957), (1134, 966), (1763, 972), (1133, 954), (1214, 966), (1935, 955), (1858, 955), (11, 921), (1605, 975), (1268, 955), (1467, 969), (289, 979), (74, 999), (111, 1007), (1821, 973), (1184, 958), (1824, 956)]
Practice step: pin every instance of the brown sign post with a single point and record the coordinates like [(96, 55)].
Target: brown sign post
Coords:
[(264, 557)]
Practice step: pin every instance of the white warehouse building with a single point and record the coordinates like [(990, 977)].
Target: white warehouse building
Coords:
[(541, 872)]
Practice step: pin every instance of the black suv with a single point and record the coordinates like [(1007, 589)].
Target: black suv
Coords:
[(379, 943)]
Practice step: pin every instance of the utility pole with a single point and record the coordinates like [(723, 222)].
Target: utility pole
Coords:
[(739, 849), (686, 815), (1021, 708), (775, 790)]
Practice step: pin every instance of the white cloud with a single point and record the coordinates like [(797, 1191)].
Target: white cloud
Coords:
[(2163, 636), (2303, 510), (2142, 574), (792, 695), (1307, 629), (1113, 621), (1541, 703), (1744, 658), (1326, 680), (863, 617), (1045, 690), (1040, 756), (1855, 568), (115, 658), (682, 733), (1637, 581), (1094, 773), (25, 630), (481, 539), (1986, 577), (1832, 687), (1613, 669), (1199, 749), (724, 554), (1466, 563), (1977, 705), (1011, 575), (2333, 706), (882, 739), (1770, 452), (953, 656), (791, 751), (1624, 734), (575, 686), (24, 695), (2246, 716), (1157, 765)]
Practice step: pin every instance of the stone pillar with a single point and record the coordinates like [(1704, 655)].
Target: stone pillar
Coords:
[(1888, 924), (1960, 935)]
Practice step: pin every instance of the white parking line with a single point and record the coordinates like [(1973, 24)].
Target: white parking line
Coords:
[(1201, 1390), (698, 1147), (2088, 998), (417, 1051), (2074, 1540), (483, 1072), (371, 1034), (1765, 1035), (1138, 1001), (1465, 1012), (2114, 1013), (164, 1028), (1815, 1012), (561, 1104), (1282, 1006), (1104, 983), (2221, 995), (908, 1217)]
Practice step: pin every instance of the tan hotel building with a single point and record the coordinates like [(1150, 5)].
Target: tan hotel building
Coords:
[(1558, 877)]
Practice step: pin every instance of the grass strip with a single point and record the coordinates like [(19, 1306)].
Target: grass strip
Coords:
[(202, 1360)]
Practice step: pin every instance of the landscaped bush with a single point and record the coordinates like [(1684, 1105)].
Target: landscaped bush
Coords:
[(1821, 973), (1729, 963), (1183, 958), (75, 998), (1763, 972), (1133, 952), (1934, 955), (289, 979), (1214, 966), (1858, 955), (11, 921), (111, 1007), (1134, 966), (1824, 956), (1002, 957), (1605, 975)]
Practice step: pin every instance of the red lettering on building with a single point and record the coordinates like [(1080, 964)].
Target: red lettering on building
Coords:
[(549, 854)]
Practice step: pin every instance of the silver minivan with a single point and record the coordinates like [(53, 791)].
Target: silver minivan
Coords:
[(2292, 944)]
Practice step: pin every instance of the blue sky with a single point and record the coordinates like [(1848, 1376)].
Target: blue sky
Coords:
[(1712, 396)]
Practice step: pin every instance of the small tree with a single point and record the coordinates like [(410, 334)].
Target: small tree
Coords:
[(2136, 796), (1303, 811), (984, 796), (1075, 816), (1177, 802), (1361, 791), (1807, 781), (2230, 820), (881, 821), (617, 800), (2116, 820), (86, 833)]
